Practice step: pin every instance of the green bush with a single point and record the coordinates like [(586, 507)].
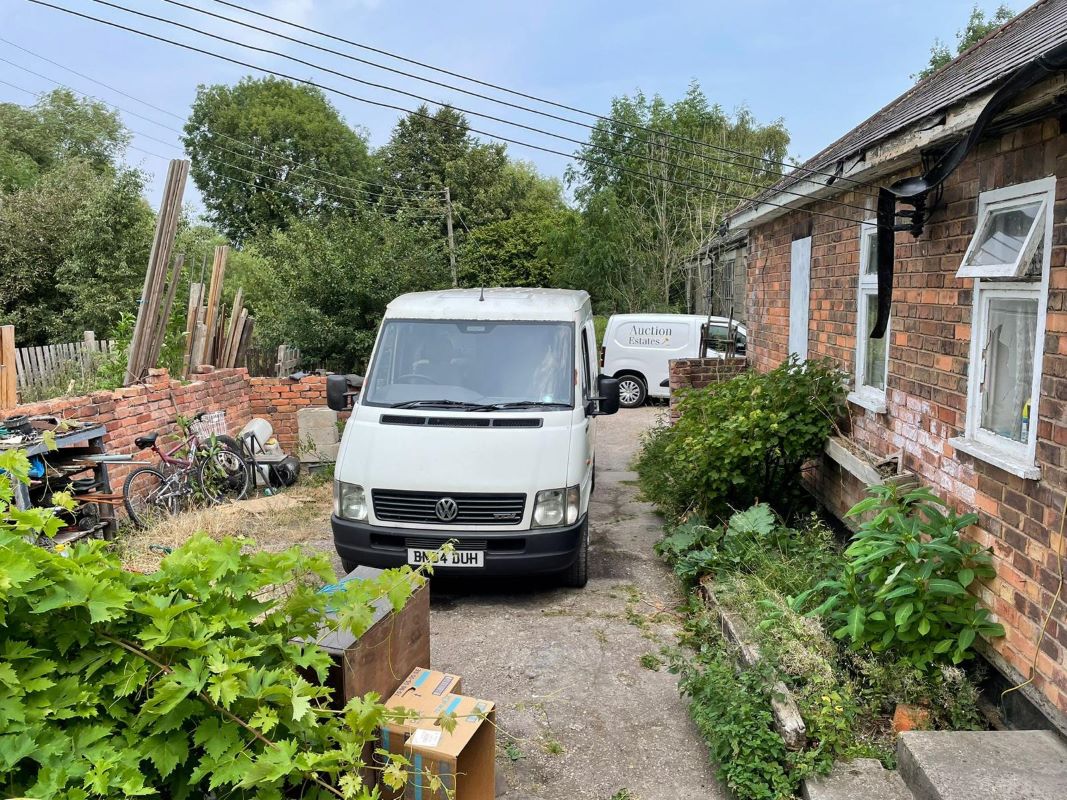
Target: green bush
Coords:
[(742, 441), (189, 682), (903, 586)]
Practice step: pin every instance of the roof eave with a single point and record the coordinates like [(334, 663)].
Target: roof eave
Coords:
[(892, 154)]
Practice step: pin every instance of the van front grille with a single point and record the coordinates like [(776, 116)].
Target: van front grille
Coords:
[(393, 505)]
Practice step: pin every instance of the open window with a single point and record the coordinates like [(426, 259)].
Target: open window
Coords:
[(1010, 228), (872, 355), (1014, 233)]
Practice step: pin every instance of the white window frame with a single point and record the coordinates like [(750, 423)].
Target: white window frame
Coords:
[(865, 395), (1018, 458), (998, 200)]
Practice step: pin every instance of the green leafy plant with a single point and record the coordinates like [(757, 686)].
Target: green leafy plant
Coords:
[(742, 441), (201, 679), (903, 586)]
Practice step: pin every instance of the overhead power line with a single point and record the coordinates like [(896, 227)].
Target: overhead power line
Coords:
[(180, 118), (422, 212), (452, 87), (365, 196), (423, 99), (429, 117), (527, 96)]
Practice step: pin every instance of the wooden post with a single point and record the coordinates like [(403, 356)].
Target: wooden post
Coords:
[(451, 241), (218, 275), (196, 299), (8, 373), (142, 344)]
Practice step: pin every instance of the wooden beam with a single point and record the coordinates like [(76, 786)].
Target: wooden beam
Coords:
[(8, 371), (218, 275), (148, 314)]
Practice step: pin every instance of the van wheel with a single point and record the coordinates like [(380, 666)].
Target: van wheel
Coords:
[(348, 566), (632, 391), (578, 574)]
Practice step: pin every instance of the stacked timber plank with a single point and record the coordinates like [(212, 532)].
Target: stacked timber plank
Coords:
[(211, 339), (161, 279)]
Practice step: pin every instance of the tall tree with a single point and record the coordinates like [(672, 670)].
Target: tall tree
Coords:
[(648, 201), (59, 127), (978, 27), (266, 151)]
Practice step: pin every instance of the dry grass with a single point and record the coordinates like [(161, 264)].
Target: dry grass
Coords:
[(299, 516)]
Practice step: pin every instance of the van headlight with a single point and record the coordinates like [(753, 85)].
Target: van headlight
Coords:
[(554, 507), (349, 501)]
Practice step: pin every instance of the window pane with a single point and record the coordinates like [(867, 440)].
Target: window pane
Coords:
[(1003, 235), (875, 361), (1009, 367), (870, 246)]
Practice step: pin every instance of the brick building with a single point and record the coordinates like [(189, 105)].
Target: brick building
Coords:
[(968, 388)]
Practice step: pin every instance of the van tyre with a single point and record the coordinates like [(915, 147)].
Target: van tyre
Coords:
[(348, 566), (578, 574), (632, 391)]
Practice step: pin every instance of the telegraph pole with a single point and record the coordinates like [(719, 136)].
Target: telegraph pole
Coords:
[(451, 241)]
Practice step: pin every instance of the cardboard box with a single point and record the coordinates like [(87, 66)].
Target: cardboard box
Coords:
[(464, 759), (378, 661), (422, 692)]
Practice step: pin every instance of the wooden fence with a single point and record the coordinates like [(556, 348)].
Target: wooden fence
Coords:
[(288, 360), (44, 366)]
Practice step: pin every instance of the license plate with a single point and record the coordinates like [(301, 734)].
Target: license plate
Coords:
[(457, 558)]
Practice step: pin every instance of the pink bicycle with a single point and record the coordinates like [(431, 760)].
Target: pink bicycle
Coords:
[(203, 465)]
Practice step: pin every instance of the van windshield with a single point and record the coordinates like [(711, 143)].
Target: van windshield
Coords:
[(473, 365)]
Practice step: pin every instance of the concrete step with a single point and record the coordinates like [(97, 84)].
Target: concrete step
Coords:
[(975, 765), (861, 779)]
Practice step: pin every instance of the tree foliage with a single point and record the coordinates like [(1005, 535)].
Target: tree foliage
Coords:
[(268, 151), (978, 27), (648, 201), (323, 284), (188, 682)]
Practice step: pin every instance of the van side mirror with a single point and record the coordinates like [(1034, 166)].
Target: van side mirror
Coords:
[(341, 389), (608, 389)]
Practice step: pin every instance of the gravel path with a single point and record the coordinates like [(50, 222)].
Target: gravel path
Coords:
[(584, 711)]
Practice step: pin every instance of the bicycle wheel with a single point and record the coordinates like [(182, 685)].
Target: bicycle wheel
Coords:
[(223, 473), (147, 497)]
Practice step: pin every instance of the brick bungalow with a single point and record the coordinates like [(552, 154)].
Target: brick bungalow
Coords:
[(968, 387)]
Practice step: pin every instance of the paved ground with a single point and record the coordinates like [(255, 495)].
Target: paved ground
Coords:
[(584, 713)]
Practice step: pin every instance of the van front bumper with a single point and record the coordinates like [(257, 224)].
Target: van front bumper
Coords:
[(514, 552)]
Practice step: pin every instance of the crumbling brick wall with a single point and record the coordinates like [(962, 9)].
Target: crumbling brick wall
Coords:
[(279, 399), (696, 373), (926, 395)]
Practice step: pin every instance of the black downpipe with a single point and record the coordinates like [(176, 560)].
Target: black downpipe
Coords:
[(913, 191)]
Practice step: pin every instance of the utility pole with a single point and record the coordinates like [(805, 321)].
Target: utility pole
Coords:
[(451, 241)]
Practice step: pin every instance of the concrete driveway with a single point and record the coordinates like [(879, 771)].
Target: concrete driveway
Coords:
[(585, 710)]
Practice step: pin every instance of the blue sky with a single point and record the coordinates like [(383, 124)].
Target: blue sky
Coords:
[(821, 65)]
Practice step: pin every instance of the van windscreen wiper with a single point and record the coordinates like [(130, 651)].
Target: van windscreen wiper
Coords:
[(518, 404), (435, 404)]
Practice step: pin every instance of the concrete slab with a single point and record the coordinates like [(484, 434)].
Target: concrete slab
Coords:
[(318, 434), (862, 779), (981, 765)]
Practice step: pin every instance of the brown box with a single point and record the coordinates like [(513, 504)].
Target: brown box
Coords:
[(422, 692), (464, 759), (395, 644)]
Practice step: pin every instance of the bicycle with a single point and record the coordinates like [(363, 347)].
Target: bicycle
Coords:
[(204, 463)]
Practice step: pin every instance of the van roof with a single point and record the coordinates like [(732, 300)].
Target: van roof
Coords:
[(617, 318), (532, 304)]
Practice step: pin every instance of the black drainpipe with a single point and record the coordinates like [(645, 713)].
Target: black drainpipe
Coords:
[(913, 191)]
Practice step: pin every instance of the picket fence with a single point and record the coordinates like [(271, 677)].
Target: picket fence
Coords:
[(43, 366)]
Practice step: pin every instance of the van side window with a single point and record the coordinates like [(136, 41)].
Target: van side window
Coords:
[(585, 364)]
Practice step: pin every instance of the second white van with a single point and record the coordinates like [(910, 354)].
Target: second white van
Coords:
[(638, 347)]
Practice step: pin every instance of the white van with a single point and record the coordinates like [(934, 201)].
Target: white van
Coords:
[(637, 348), (475, 423)]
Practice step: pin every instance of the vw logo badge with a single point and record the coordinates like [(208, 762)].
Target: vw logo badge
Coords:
[(446, 509)]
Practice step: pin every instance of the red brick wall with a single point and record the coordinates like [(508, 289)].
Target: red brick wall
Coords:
[(139, 410), (927, 384), (278, 400), (696, 373)]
